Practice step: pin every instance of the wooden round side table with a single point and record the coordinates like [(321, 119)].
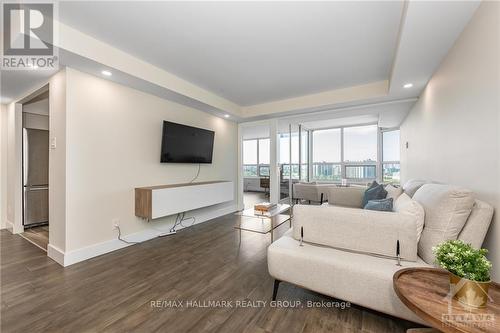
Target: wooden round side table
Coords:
[(426, 291)]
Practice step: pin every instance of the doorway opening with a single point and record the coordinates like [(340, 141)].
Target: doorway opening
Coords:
[(293, 142), (35, 169)]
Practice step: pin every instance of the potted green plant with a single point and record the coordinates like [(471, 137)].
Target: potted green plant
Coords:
[(469, 271)]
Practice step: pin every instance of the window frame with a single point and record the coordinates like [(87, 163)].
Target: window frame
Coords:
[(343, 164), (383, 162), (379, 163), (258, 165)]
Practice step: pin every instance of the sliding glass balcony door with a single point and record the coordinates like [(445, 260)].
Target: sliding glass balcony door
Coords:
[(304, 154), (293, 158)]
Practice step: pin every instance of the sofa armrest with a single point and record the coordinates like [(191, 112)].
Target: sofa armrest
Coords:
[(306, 192), (351, 196), (358, 230)]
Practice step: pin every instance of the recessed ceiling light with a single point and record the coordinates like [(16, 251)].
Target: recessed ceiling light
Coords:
[(106, 73), (408, 85), (226, 116)]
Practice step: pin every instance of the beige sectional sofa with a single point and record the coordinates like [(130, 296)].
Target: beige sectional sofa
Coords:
[(349, 253), (312, 192), (319, 192)]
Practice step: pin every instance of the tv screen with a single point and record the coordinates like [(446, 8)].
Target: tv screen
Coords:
[(186, 144)]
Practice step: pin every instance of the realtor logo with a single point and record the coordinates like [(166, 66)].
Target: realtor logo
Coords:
[(28, 36), (28, 29)]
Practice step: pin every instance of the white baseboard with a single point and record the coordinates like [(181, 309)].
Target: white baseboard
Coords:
[(72, 257), (56, 254), (9, 226)]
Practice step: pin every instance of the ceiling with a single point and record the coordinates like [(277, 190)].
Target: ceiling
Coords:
[(258, 60), (15, 83), (251, 52)]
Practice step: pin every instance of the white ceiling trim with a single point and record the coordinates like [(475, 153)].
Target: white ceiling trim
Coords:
[(81, 44), (417, 24), (320, 100)]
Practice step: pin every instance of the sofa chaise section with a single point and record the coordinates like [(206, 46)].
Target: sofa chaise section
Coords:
[(366, 231), (360, 279)]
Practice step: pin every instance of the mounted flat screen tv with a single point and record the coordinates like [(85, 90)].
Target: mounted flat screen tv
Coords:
[(186, 144)]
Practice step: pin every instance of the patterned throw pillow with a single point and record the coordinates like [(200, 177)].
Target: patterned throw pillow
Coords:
[(384, 205), (374, 192), (393, 191)]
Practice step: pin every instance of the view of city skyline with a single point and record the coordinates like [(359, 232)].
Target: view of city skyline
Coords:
[(359, 146)]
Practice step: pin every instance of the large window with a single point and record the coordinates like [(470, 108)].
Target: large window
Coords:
[(264, 156), (391, 156), (304, 155), (349, 152), (284, 159), (360, 144), (327, 154), (264, 153), (256, 157), (250, 152), (352, 153)]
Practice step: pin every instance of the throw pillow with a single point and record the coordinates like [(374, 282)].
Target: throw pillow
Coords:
[(384, 205), (447, 208), (406, 205), (374, 193), (411, 186), (393, 191)]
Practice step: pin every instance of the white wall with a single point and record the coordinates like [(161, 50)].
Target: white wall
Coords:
[(14, 174), (57, 163), (3, 166), (453, 130), (113, 145)]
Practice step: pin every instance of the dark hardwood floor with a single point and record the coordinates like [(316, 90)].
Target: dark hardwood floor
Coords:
[(113, 292)]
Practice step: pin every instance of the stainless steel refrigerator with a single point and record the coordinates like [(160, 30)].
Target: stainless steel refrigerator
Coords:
[(35, 176)]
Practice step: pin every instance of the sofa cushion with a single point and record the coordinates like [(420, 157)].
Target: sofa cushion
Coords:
[(406, 205), (446, 211), (351, 196), (477, 224), (411, 186), (383, 205), (393, 191), (365, 231), (307, 191), (374, 193), (357, 278)]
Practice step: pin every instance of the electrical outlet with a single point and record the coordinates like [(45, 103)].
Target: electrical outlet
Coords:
[(115, 223)]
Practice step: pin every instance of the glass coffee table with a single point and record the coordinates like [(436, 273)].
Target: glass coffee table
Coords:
[(264, 223)]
